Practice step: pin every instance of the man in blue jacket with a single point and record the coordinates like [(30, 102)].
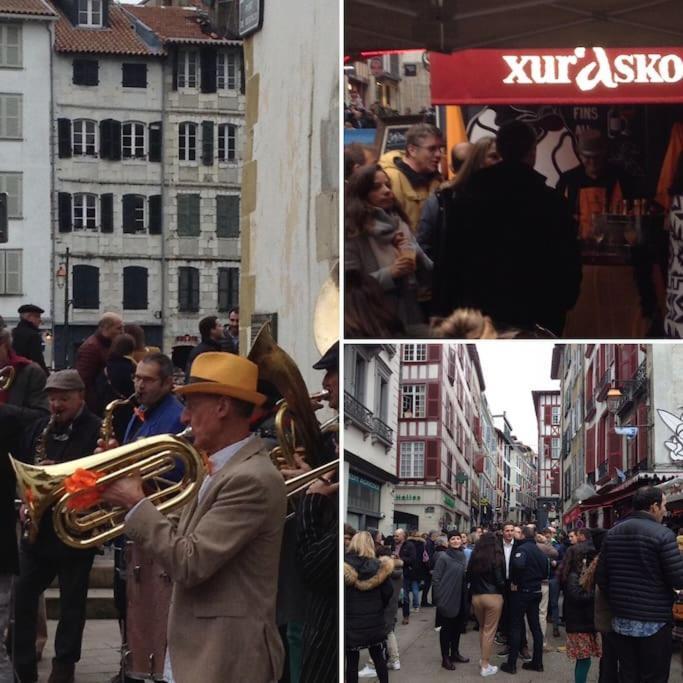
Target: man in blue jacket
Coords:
[(640, 566), (528, 568)]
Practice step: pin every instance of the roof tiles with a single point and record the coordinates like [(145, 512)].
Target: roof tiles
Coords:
[(34, 7)]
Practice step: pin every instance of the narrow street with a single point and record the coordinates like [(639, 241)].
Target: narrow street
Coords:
[(421, 661)]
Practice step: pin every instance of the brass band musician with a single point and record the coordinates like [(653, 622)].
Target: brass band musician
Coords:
[(70, 432)]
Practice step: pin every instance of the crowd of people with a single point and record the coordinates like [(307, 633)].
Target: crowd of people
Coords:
[(225, 587), (493, 252), (614, 592)]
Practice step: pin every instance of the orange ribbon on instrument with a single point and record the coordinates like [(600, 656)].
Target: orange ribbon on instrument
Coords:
[(82, 483)]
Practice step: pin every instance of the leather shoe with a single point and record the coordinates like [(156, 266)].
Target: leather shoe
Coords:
[(448, 664), (530, 666), (508, 668), (556, 632), (405, 620), (459, 658), (62, 672)]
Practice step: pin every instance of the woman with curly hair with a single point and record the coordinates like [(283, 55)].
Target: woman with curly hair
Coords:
[(367, 591), (380, 243), (579, 607)]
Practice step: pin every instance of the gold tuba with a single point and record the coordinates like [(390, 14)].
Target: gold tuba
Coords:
[(41, 487), (7, 375)]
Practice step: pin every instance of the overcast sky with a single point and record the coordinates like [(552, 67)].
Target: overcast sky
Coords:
[(512, 370)]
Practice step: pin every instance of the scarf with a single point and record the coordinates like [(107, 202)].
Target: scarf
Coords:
[(415, 178), (455, 554)]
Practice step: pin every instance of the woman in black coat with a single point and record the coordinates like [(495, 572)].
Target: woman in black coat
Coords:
[(579, 611), (367, 591)]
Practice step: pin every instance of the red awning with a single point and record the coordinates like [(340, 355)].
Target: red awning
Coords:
[(558, 76)]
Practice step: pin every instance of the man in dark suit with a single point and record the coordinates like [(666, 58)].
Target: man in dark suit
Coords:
[(223, 555), (26, 338)]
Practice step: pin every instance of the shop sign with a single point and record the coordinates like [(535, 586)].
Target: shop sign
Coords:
[(407, 498), (583, 75), (250, 17), (448, 501), (364, 482)]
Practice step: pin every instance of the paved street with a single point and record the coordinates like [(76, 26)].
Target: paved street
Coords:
[(421, 660), (100, 653)]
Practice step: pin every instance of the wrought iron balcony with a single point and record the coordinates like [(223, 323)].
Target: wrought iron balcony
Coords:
[(634, 388), (381, 431), (357, 413)]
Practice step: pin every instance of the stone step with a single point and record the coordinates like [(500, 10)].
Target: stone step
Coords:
[(101, 575), (100, 603)]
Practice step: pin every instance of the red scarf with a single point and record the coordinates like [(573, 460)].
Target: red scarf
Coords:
[(17, 362)]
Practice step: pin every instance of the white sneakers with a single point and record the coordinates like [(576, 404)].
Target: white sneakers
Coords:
[(489, 671), (395, 665), (367, 672)]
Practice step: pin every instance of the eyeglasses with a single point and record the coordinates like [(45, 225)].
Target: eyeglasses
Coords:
[(432, 149)]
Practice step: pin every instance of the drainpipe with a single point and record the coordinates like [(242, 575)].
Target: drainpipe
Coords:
[(164, 195), (53, 235)]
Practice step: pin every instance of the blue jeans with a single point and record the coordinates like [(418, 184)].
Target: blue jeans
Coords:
[(410, 585)]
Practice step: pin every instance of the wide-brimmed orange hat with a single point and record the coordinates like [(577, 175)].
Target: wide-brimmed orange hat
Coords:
[(225, 374)]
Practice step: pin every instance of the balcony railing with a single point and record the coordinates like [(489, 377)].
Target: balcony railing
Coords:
[(357, 413), (634, 388), (382, 431)]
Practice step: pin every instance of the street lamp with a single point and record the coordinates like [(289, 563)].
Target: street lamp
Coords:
[(62, 276), (614, 398)]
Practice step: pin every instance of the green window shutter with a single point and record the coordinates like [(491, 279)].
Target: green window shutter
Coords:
[(227, 216)]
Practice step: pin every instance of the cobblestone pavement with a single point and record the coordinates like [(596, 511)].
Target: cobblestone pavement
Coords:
[(99, 655), (421, 659)]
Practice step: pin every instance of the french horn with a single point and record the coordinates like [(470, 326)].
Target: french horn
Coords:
[(7, 375)]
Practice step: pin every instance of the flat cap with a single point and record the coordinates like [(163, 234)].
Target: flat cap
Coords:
[(29, 308), (330, 359), (65, 380)]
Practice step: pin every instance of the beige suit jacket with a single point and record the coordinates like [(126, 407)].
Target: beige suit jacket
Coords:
[(223, 559)]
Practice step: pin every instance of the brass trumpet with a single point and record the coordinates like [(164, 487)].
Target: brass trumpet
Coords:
[(7, 375), (41, 487)]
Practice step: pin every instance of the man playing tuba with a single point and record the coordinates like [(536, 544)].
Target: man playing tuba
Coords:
[(223, 555), (70, 432)]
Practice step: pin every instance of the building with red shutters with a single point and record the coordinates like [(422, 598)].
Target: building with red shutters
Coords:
[(548, 416)]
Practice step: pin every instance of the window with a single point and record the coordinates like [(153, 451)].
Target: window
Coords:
[(359, 374), (188, 68), (556, 445), (414, 400), (10, 271), (84, 141), (414, 352), (228, 288), (187, 141), (10, 44), (188, 215), (412, 460), (85, 72), (382, 397), (85, 213), (12, 184), (227, 216), (134, 75), (134, 288), (133, 213), (188, 289), (227, 142), (133, 140), (227, 71), (90, 12), (86, 287), (10, 116), (556, 415)]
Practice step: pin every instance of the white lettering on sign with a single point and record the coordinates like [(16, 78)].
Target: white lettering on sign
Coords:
[(601, 70)]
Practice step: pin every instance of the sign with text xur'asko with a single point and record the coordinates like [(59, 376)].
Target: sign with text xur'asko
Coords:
[(583, 75)]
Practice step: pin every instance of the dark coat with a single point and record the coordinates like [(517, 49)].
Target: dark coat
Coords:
[(367, 592), (28, 342), (392, 605), (448, 583), (640, 552), (411, 554), (528, 566), (490, 582), (26, 402), (510, 235), (579, 606), (81, 442), (203, 346), (90, 361)]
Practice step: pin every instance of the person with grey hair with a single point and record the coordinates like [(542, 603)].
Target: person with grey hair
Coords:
[(25, 402), (415, 173), (93, 354)]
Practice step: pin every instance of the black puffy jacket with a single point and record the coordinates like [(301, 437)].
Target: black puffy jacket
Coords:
[(639, 568), (367, 591)]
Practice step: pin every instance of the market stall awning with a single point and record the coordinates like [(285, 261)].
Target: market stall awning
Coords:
[(448, 25), (581, 75)]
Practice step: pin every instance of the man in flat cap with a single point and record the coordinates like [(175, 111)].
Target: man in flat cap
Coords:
[(69, 432), (26, 338), (223, 554)]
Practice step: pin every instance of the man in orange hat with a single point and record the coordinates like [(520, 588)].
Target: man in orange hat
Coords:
[(223, 555)]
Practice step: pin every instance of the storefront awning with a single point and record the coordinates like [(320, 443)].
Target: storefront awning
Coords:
[(576, 76)]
